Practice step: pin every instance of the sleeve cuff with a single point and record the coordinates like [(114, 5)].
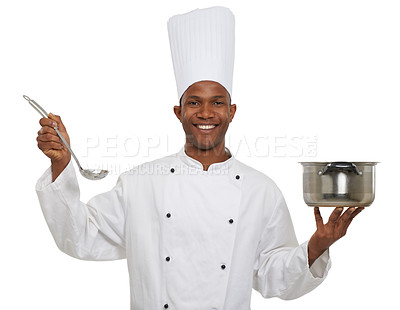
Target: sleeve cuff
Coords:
[(45, 181), (321, 266)]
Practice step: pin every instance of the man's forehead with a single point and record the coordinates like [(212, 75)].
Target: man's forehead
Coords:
[(206, 89)]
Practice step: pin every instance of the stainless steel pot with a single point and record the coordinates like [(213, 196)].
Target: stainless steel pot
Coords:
[(333, 184)]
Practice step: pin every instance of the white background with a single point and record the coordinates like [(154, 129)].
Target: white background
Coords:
[(328, 70)]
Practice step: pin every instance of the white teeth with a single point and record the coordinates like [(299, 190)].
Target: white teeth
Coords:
[(205, 126)]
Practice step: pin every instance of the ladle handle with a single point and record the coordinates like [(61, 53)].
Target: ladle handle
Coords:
[(43, 113), (36, 106)]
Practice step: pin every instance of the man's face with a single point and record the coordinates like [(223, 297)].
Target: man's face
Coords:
[(205, 114)]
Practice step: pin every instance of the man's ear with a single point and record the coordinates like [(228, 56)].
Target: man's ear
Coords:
[(232, 111), (178, 112)]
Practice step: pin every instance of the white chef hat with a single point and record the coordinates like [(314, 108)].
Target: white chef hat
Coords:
[(203, 47)]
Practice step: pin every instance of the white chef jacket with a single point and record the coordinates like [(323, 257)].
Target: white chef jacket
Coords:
[(193, 239)]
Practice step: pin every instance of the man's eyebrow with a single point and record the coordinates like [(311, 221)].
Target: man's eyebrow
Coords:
[(214, 97)]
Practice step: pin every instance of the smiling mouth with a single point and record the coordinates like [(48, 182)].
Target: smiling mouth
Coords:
[(205, 127)]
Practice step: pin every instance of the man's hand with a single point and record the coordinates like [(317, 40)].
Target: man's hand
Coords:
[(329, 233), (51, 145)]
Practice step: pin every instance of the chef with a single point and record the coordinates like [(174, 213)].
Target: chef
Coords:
[(199, 228)]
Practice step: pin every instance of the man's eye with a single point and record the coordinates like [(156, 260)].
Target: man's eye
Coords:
[(219, 102), (193, 103)]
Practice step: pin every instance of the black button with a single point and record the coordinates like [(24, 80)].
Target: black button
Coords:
[(168, 258), (168, 215), (172, 170), (166, 306), (223, 267), (231, 221), (237, 177)]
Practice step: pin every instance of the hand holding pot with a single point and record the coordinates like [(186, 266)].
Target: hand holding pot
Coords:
[(329, 233)]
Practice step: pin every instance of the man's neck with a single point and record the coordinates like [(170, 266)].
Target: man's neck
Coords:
[(207, 157)]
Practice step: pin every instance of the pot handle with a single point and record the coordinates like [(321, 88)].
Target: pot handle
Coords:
[(340, 166)]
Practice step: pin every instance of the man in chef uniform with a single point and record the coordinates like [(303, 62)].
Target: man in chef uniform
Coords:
[(199, 228)]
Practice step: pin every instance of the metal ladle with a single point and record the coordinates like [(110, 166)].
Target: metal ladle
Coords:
[(91, 174)]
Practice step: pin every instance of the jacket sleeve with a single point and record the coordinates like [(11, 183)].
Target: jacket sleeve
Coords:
[(91, 231), (281, 268)]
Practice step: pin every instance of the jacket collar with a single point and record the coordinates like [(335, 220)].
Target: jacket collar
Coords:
[(195, 164)]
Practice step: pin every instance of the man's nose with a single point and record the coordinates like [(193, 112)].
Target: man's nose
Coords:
[(206, 111)]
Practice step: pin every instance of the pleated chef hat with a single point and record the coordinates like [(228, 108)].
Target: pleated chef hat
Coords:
[(203, 47)]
